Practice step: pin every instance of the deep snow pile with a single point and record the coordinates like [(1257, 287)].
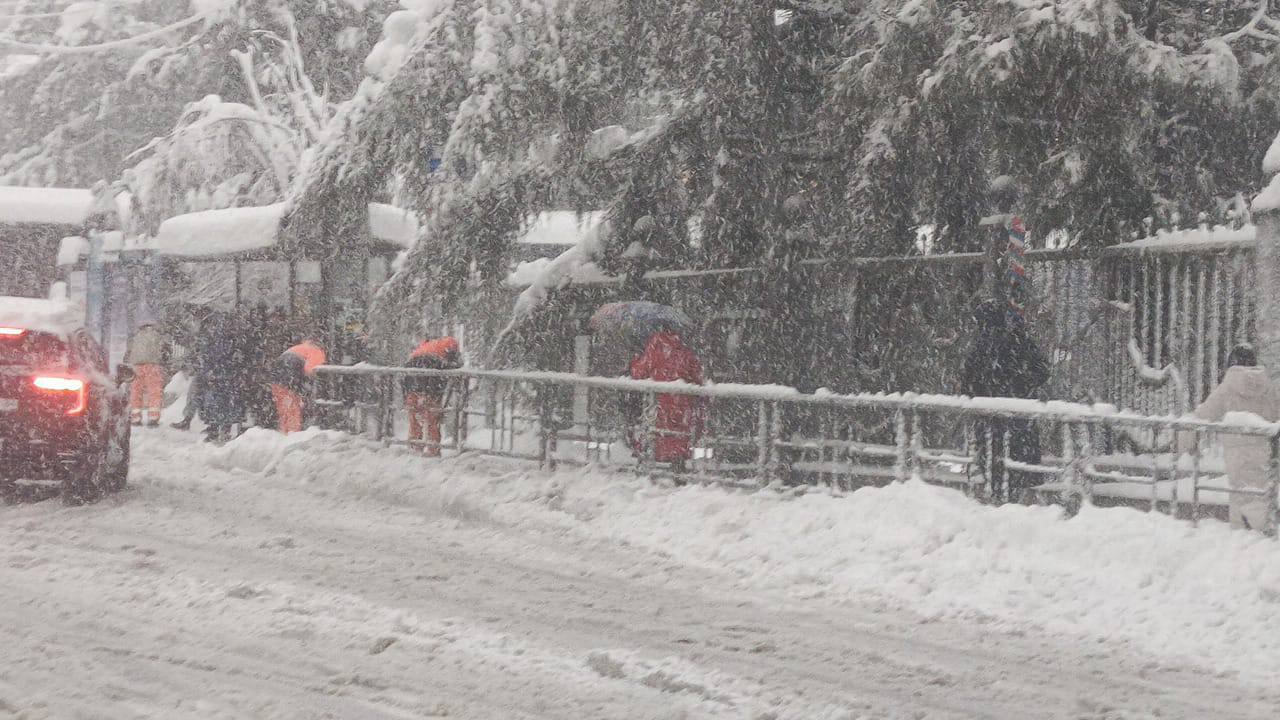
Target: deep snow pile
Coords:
[(1206, 594)]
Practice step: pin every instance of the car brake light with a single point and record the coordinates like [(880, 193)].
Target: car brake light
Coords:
[(12, 333), (51, 384)]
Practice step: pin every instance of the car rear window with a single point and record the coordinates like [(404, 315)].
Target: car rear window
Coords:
[(34, 349)]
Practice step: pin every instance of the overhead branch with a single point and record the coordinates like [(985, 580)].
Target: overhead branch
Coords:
[(146, 37)]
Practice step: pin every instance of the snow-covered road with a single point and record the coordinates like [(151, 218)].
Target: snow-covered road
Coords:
[(319, 578)]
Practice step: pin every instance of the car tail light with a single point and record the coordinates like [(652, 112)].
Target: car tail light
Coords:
[(12, 333), (72, 388)]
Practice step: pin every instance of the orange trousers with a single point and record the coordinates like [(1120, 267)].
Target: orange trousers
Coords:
[(147, 392), (425, 415), (288, 409)]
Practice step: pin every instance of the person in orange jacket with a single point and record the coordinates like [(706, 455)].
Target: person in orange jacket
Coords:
[(293, 370), (424, 396)]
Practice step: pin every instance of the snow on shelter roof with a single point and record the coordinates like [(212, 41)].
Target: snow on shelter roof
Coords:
[(559, 227), (214, 233), (221, 232), (57, 317), (46, 206)]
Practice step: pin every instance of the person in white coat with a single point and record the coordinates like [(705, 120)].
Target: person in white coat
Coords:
[(1246, 387)]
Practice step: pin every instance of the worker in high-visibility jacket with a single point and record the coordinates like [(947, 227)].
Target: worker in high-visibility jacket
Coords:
[(424, 396), (291, 374)]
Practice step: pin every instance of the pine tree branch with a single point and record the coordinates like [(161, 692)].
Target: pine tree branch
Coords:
[(104, 47)]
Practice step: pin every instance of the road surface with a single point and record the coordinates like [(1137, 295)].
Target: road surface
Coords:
[(211, 591)]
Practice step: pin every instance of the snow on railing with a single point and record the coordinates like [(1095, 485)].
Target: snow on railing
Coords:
[(769, 435)]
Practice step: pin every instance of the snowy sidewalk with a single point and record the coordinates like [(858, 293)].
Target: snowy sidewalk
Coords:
[(322, 576)]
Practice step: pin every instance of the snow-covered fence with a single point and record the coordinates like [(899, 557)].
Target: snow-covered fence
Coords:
[(1193, 297), (764, 435)]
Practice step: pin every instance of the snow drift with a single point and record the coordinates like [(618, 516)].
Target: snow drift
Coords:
[(1207, 594)]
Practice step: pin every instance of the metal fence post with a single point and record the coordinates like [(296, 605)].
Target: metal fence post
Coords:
[(1273, 493), (917, 447), (1085, 458), (902, 439), (762, 442), (380, 385), (651, 430), (775, 436), (1195, 479)]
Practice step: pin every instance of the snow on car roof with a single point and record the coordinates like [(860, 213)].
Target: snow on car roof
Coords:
[(57, 317), (52, 206)]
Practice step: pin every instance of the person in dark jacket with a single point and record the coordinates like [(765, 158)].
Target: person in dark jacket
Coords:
[(223, 363), (191, 337), (677, 421), (424, 396), (291, 375), (1005, 361)]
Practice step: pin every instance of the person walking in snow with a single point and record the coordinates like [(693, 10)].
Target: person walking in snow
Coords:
[(1005, 362), (1246, 387), (148, 355), (424, 396), (677, 421), (292, 374), (190, 334), (223, 364)]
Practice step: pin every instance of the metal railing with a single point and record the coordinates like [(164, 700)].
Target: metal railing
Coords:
[(754, 436)]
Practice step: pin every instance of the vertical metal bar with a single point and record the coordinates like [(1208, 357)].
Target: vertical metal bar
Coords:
[(460, 417), (1229, 281), (1273, 492), (775, 436), (762, 442), (1187, 333), (1195, 478), (1005, 487), (903, 440), (1143, 309), (1251, 295), (1155, 472), (380, 388), (1157, 336), (1202, 367), (1215, 326), (1085, 459), (1069, 467), (970, 452), (989, 449), (1111, 291), (651, 429), (917, 447)]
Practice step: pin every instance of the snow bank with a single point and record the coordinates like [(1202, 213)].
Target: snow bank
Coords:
[(1207, 594), (57, 317), (53, 206)]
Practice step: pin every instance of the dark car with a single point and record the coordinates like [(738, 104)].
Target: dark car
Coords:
[(64, 421)]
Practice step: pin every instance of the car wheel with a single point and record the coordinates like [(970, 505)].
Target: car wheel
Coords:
[(116, 458), (82, 481)]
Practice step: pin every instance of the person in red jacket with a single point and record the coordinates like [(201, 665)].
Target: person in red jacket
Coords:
[(679, 417), (424, 396), (293, 370)]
